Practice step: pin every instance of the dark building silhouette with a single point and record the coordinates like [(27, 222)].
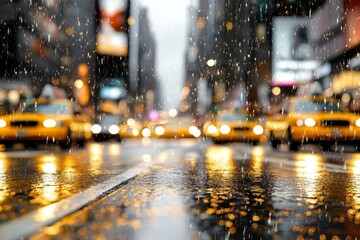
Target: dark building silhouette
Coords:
[(148, 89)]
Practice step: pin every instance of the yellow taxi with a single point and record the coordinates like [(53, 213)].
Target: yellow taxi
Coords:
[(130, 129), (177, 127), (49, 121), (231, 125), (313, 119)]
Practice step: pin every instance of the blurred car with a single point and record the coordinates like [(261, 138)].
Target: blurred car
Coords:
[(178, 127), (231, 125), (53, 121), (130, 129), (106, 126), (148, 129), (313, 119)]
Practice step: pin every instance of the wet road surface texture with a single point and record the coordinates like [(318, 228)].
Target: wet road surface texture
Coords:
[(204, 191)]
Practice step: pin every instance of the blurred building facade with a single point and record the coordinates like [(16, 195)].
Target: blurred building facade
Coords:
[(55, 39), (335, 43), (148, 95), (112, 57), (291, 21), (229, 49), (48, 42), (64, 44), (11, 92)]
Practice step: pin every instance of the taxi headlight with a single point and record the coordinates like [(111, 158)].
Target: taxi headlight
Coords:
[(299, 123), (50, 123), (212, 129), (225, 129), (357, 123), (309, 122), (159, 130), (258, 130), (146, 132), (196, 133), (193, 130), (135, 132), (114, 129), (2, 123), (96, 128)]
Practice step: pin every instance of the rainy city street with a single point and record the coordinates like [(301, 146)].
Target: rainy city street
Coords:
[(186, 189), (179, 119)]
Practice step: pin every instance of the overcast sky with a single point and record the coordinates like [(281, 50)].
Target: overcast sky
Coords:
[(168, 24)]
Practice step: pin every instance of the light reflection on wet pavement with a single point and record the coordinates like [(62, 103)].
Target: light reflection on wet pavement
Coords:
[(221, 194), (32, 179)]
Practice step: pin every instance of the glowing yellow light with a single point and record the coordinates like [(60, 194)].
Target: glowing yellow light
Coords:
[(14, 96), (276, 91), (115, 149), (49, 167), (78, 83), (173, 112), (307, 162), (225, 129), (354, 163), (212, 129), (114, 129), (83, 69), (146, 132), (96, 128), (229, 26), (258, 151), (2, 123), (184, 93), (49, 123), (135, 132), (346, 98), (220, 158), (3, 184), (45, 213), (194, 131), (146, 157), (130, 122), (96, 149), (131, 21), (159, 130), (307, 167), (258, 130), (211, 62)]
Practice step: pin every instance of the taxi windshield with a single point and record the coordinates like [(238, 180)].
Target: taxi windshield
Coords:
[(317, 106), (46, 108), (233, 118)]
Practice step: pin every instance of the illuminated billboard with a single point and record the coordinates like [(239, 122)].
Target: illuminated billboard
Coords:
[(113, 89), (112, 37), (293, 61)]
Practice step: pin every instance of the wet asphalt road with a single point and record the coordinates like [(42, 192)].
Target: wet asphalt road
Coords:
[(191, 189)]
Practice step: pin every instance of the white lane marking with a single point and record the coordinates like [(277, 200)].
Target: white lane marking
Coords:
[(32, 222)]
